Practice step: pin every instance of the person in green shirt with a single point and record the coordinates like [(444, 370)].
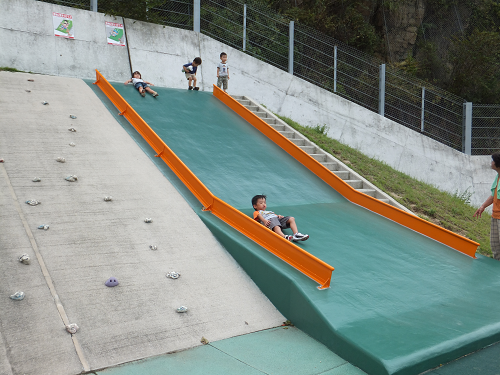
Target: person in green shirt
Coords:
[(494, 199)]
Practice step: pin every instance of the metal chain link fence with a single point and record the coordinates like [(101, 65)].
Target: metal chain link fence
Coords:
[(80, 4), (485, 129), (176, 13), (317, 58)]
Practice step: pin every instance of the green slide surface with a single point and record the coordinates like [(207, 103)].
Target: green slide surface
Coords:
[(399, 302)]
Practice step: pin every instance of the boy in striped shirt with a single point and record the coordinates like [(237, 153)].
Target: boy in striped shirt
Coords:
[(275, 222)]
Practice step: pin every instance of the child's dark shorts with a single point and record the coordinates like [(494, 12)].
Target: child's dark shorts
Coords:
[(283, 222), (139, 84)]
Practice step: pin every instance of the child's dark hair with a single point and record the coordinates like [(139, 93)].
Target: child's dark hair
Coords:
[(223, 54), (496, 159), (197, 60), (137, 73), (256, 198)]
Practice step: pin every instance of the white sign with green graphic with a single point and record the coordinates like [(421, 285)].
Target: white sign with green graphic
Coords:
[(115, 34), (63, 25)]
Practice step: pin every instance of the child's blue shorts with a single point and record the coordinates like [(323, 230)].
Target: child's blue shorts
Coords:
[(139, 84)]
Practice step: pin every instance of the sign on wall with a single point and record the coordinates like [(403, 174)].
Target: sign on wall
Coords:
[(63, 25), (115, 34)]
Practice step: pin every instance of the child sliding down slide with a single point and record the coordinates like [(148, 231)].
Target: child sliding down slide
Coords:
[(141, 85), (275, 222)]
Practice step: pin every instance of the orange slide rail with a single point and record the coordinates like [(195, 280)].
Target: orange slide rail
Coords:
[(404, 218), (306, 263)]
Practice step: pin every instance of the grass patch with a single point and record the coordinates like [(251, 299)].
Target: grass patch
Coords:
[(14, 70), (450, 211)]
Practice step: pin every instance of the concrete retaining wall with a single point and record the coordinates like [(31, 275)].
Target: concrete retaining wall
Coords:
[(27, 43)]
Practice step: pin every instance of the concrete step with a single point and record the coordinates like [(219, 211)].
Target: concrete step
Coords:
[(309, 149), (356, 184), (262, 115), (384, 200), (319, 157), (369, 192), (244, 101), (278, 127), (344, 175), (270, 121), (238, 97), (252, 108), (288, 134), (331, 165), (299, 141)]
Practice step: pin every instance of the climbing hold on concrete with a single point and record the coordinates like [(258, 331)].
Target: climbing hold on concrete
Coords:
[(72, 116), (72, 144), (72, 328), (61, 160), (72, 178), (31, 80), (148, 220), (153, 247), (36, 179), (111, 282), (204, 341), (24, 259), (72, 130), (173, 275), (44, 227), (45, 103), (182, 309), (33, 202), (108, 199), (1, 160), (17, 296), (27, 90)]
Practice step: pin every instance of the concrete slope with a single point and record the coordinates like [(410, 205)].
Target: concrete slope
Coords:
[(90, 240)]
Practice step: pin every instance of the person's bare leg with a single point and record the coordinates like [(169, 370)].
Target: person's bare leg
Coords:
[(194, 81), (277, 229), (292, 224)]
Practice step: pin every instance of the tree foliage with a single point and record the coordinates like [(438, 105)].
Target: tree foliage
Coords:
[(135, 9), (350, 21), (467, 65), (475, 73)]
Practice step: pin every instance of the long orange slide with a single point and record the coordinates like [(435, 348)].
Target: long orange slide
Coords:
[(306, 263)]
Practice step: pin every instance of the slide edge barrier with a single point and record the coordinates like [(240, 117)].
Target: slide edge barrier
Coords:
[(308, 264), (413, 222)]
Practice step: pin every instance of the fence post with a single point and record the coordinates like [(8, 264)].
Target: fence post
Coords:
[(93, 5), (335, 68), (467, 128), (290, 48), (381, 90), (244, 27), (422, 115), (196, 15)]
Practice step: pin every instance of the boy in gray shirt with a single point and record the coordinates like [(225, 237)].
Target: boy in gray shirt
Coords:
[(222, 72)]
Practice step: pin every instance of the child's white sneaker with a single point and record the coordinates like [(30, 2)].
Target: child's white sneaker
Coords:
[(300, 237)]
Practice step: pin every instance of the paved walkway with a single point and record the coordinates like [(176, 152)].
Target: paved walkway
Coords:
[(90, 240), (277, 351)]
